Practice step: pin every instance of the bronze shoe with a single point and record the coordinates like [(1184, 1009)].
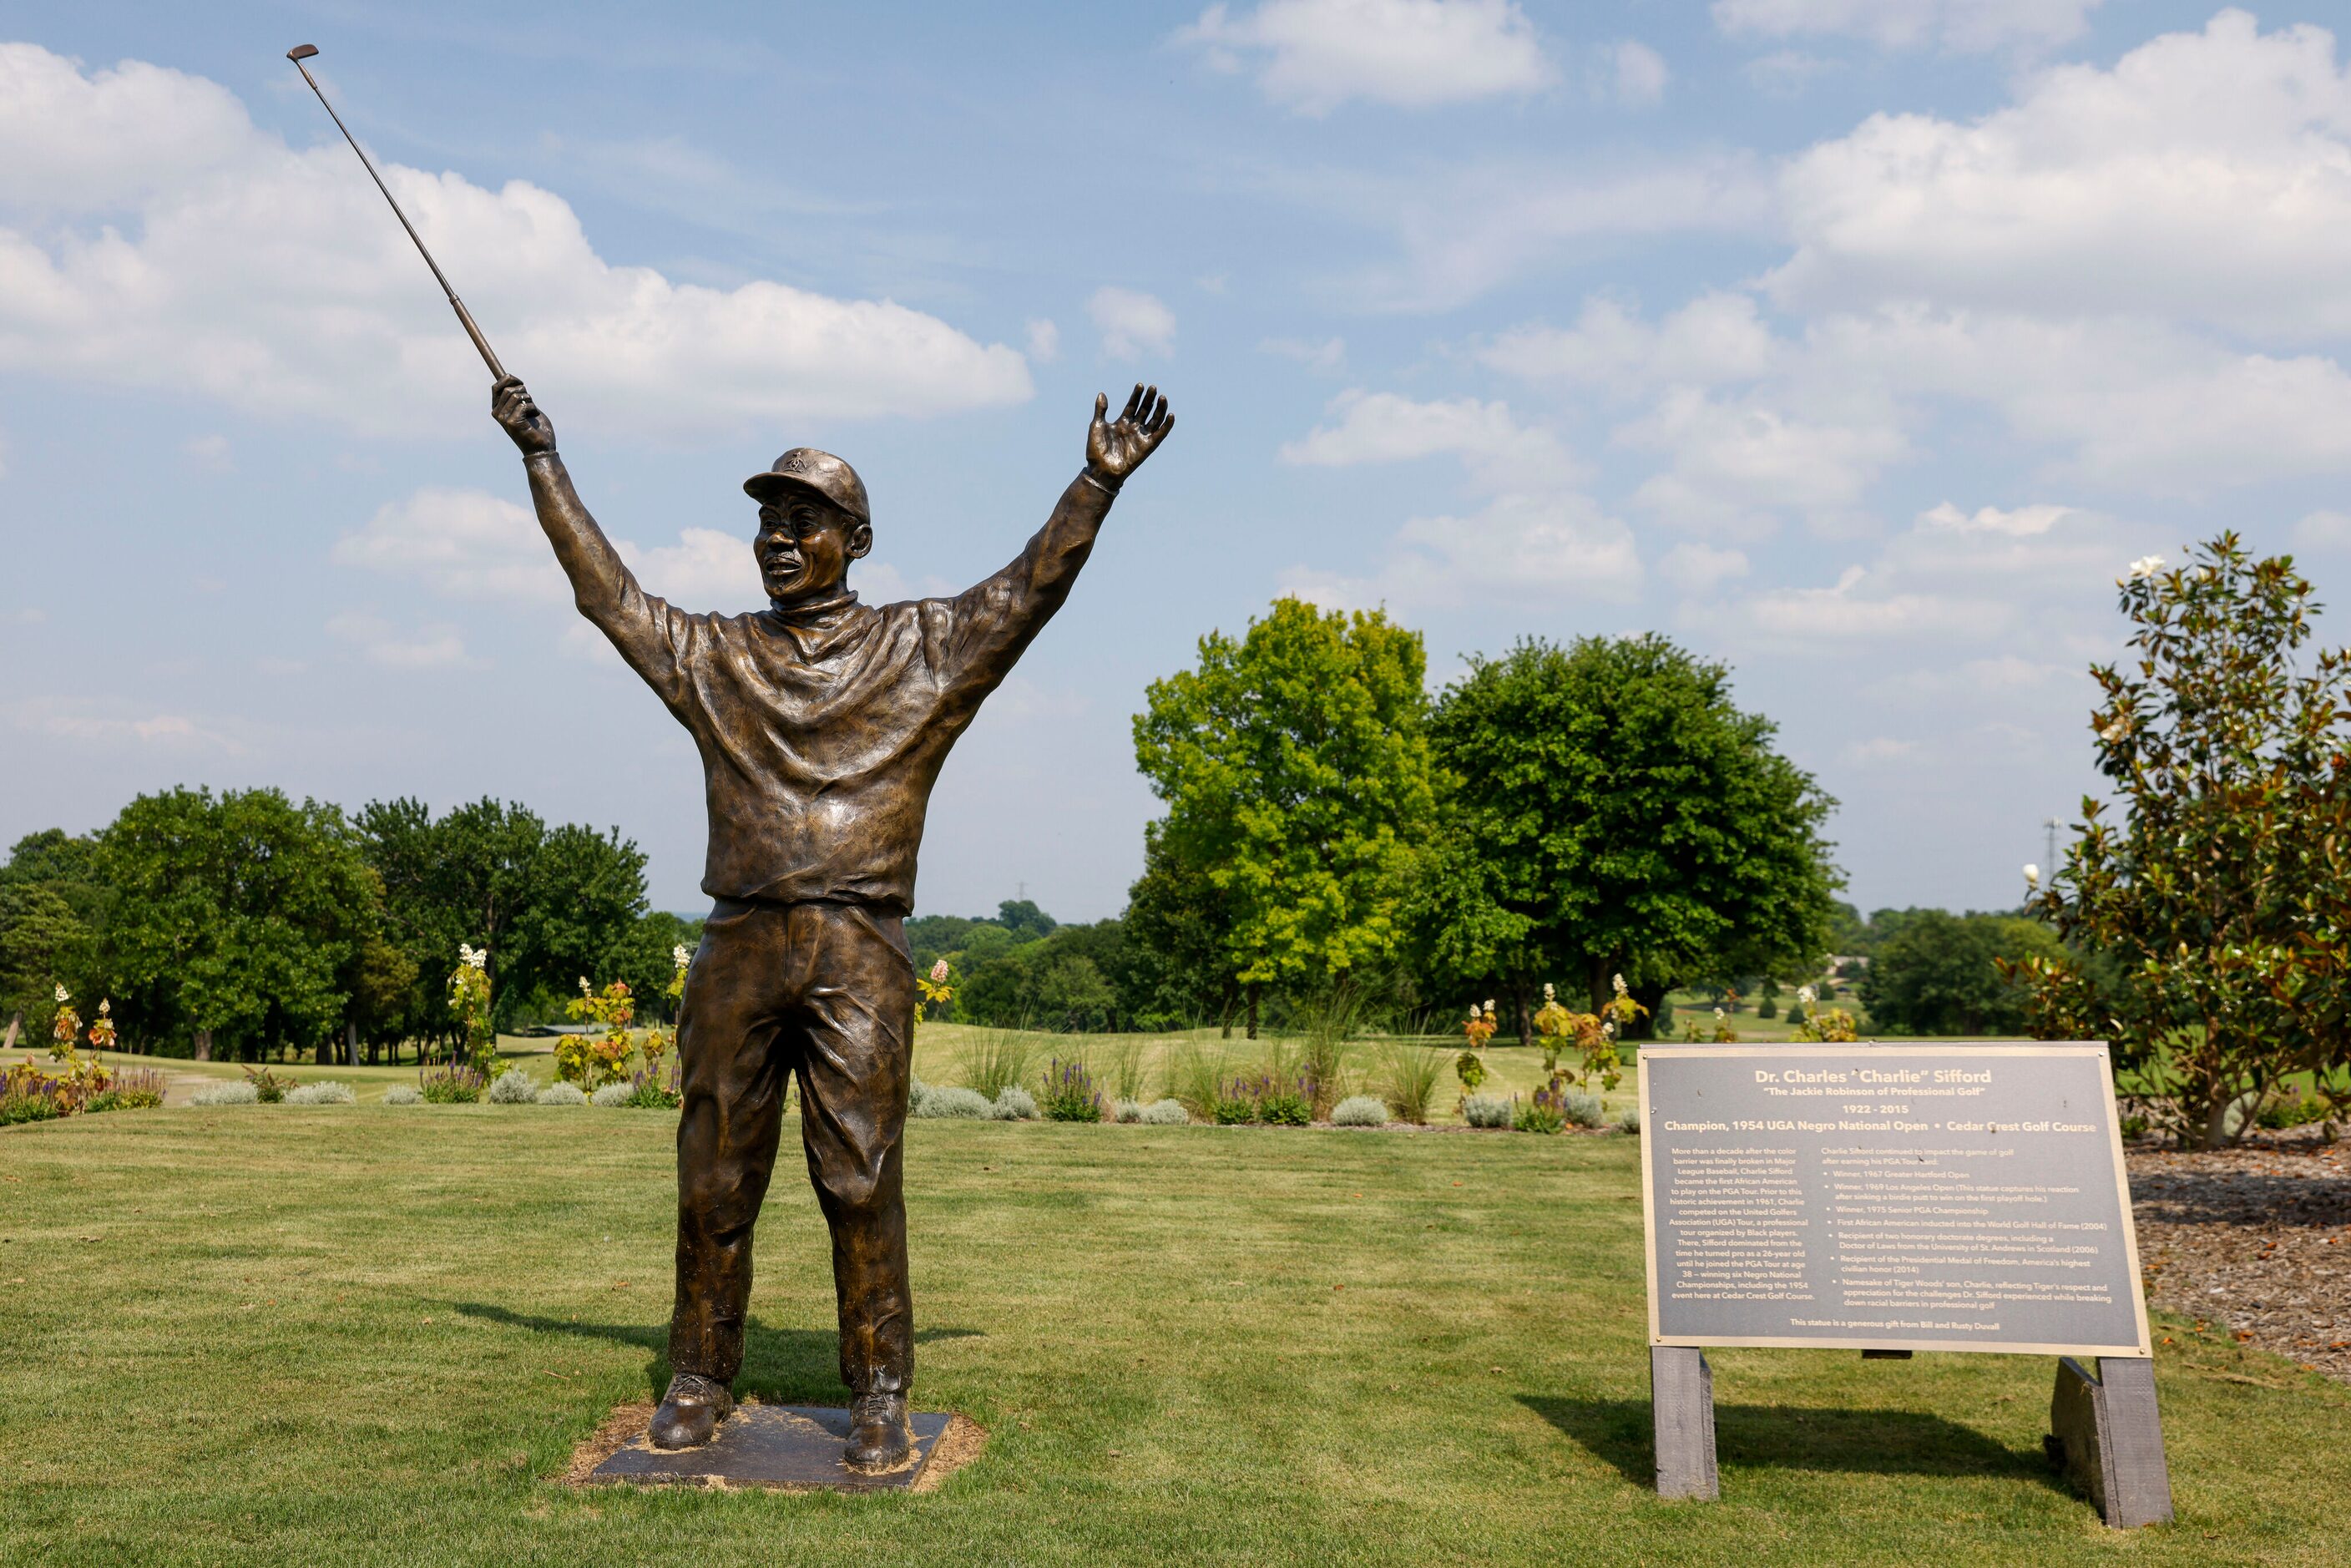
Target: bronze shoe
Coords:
[(690, 1411), (880, 1438)]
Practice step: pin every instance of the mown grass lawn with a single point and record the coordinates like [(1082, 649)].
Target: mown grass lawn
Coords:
[(368, 1335)]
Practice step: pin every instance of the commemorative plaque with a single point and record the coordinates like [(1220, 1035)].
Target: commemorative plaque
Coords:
[(1894, 1198), (1888, 1198)]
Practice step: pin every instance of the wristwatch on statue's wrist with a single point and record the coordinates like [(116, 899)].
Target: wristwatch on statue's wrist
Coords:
[(548, 452)]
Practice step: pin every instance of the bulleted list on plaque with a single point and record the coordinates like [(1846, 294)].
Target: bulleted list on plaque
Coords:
[(1888, 1196)]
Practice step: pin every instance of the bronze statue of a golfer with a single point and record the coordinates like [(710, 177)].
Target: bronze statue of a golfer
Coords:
[(822, 723)]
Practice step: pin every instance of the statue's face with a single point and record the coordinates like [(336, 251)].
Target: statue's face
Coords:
[(805, 546)]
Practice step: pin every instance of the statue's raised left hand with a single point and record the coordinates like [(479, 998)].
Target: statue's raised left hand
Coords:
[(1116, 449)]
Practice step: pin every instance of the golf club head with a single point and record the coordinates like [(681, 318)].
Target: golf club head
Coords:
[(301, 52)]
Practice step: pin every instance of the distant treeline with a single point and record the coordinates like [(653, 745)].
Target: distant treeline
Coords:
[(244, 925)]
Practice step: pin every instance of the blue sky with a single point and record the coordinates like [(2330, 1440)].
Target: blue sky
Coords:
[(1860, 344)]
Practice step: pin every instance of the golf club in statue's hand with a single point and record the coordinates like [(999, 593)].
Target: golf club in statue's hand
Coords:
[(511, 406), (1116, 449)]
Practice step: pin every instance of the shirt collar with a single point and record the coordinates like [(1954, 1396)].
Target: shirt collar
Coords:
[(815, 616)]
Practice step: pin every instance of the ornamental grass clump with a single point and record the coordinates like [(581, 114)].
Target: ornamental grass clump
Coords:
[(560, 1094), (1360, 1110), (1164, 1114), (327, 1092), (955, 1104), (267, 1087), (1409, 1082), (403, 1095), (1014, 1103), (515, 1087), (451, 1085), (1487, 1111), (234, 1093), (995, 1061)]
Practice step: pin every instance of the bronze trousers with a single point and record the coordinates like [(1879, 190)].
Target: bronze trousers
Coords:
[(826, 992)]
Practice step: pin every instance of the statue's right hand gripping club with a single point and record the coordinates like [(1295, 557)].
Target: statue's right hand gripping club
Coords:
[(530, 429)]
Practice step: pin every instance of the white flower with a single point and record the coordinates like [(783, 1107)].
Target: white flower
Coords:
[(939, 973), (1551, 992), (2145, 566), (585, 989), (1718, 1015), (61, 993), (1489, 1004), (472, 958), (1609, 1029), (1618, 981), (681, 955), (2116, 730), (1804, 995), (1473, 1012), (104, 1008), (2032, 874)]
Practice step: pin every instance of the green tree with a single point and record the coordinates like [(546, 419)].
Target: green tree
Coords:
[(1610, 810), (52, 902), (1941, 973), (1177, 925), (2223, 896), (1295, 765), (240, 918)]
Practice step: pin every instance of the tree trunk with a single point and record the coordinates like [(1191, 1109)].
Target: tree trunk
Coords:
[(1252, 1010), (15, 1022), (1522, 997), (1645, 1027), (350, 1042), (1602, 991), (203, 1045), (1225, 1010)]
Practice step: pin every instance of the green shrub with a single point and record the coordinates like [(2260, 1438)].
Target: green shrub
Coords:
[(138, 1089), (1539, 1112), (1014, 1103), (231, 1094), (32, 1107), (329, 1093), (916, 1090), (1630, 1121), (1164, 1114), (1581, 1110), (2298, 1111), (515, 1087), (612, 1094), (403, 1095), (1360, 1110), (267, 1087), (951, 1105), (1126, 1111), (1070, 1093), (1486, 1110), (451, 1085), (560, 1094), (1409, 1080)]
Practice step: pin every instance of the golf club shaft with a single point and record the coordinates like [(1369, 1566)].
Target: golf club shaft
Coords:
[(464, 317)]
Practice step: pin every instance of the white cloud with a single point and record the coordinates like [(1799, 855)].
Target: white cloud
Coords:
[(466, 544), (210, 453), (1382, 427), (1638, 74), (1785, 73), (1714, 338), (2324, 530), (1879, 748), (274, 279), (1697, 568), (1964, 25), (2025, 522), (1044, 342), (1312, 56), (1733, 462), (422, 648), (2205, 178), (1131, 323), (1533, 550), (1327, 358)]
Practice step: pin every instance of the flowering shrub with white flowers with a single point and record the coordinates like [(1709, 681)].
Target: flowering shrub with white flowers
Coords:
[(469, 998)]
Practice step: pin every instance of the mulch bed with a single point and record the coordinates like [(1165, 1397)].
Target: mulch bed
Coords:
[(2253, 1240)]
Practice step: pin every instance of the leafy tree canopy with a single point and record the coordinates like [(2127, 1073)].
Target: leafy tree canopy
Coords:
[(1295, 764), (1939, 973), (1613, 811)]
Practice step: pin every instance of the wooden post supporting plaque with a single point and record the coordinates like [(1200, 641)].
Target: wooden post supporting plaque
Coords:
[(1893, 1199)]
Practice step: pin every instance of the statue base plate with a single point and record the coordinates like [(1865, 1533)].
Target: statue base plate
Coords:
[(786, 1448)]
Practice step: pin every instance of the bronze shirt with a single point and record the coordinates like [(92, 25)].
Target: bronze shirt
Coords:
[(820, 731)]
